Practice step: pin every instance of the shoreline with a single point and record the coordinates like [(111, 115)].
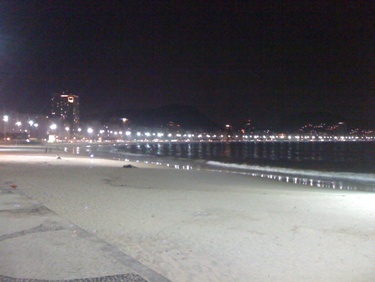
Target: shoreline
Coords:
[(191, 225), (331, 180), (323, 179)]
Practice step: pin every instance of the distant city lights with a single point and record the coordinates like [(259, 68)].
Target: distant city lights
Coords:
[(20, 126)]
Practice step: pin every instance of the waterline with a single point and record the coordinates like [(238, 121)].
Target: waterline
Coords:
[(159, 155)]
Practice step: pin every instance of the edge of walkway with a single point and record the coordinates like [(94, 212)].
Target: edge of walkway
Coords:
[(31, 236)]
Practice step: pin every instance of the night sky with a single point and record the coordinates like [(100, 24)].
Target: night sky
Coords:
[(232, 60)]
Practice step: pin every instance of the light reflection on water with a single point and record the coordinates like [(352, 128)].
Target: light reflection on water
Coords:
[(355, 157), (320, 183), (335, 156), (328, 184)]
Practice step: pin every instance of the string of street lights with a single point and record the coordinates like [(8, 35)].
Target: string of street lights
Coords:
[(52, 132)]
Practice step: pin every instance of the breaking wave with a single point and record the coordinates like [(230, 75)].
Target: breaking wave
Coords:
[(366, 178)]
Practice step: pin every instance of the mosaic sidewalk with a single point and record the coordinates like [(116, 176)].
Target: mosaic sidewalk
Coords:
[(36, 245)]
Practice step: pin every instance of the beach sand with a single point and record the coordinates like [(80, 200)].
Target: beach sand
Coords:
[(206, 226)]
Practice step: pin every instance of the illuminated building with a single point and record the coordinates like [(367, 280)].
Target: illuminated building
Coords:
[(248, 127), (65, 108)]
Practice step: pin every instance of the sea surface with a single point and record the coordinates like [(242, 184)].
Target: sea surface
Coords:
[(331, 165)]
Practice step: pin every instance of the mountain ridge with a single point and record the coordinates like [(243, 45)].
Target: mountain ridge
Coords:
[(186, 116)]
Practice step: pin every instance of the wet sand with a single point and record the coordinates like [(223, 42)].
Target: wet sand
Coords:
[(206, 226)]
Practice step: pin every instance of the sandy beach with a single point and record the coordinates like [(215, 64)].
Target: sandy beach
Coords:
[(206, 226)]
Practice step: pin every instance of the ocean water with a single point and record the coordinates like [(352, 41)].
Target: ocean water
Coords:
[(331, 165)]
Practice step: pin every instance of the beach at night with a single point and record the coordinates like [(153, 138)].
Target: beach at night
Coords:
[(197, 225), (187, 141)]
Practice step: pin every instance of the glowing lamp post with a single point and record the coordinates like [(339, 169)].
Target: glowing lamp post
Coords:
[(90, 131), (31, 123), (5, 119), (36, 130), (124, 122), (18, 123), (52, 137), (67, 129)]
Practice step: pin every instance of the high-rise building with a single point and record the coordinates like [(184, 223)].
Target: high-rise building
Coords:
[(65, 108), (247, 126)]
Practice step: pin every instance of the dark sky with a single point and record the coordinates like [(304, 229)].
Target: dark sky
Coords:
[(232, 60)]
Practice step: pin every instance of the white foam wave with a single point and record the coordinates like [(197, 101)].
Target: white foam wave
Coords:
[(365, 177), (132, 154)]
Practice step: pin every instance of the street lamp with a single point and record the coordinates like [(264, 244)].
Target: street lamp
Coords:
[(18, 123), (67, 129), (52, 137), (31, 123), (124, 121), (5, 119), (36, 130), (90, 132)]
